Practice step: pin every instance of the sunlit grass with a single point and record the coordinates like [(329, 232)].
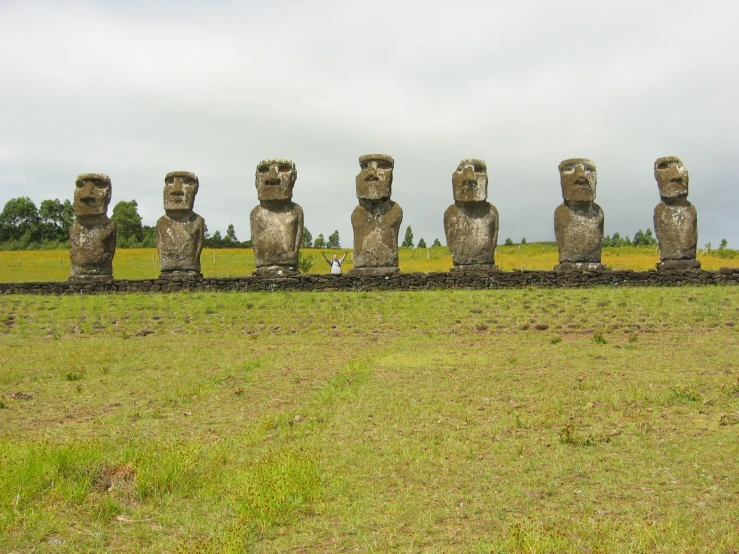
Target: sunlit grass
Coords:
[(142, 263), (525, 421)]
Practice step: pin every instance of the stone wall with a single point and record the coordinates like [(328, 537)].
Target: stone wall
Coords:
[(402, 282)]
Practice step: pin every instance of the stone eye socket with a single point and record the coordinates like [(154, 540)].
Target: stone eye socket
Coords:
[(263, 168), (284, 168), (80, 185), (101, 185), (568, 169), (363, 166), (663, 165), (383, 165), (479, 169)]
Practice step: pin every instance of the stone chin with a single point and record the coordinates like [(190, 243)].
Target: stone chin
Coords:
[(373, 192), (274, 193), (673, 190), (464, 192), (178, 204), (578, 193)]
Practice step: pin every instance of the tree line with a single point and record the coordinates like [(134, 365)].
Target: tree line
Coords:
[(23, 226)]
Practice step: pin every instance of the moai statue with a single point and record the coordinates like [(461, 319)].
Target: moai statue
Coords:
[(180, 232), (471, 223), (277, 223), (675, 219), (578, 222), (376, 220), (92, 234)]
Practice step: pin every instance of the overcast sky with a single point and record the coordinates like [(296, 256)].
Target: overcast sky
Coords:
[(135, 89)]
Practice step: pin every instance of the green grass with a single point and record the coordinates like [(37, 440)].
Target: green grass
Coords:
[(142, 263), (454, 421)]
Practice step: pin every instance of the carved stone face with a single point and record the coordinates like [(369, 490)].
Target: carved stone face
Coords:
[(470, 181), (275, 179), (375, 179), (672, 177), (578, 178), (180, 188), (92, 195)]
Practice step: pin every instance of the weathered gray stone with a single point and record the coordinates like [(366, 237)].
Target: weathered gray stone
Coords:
[(277, 222), (471, 223), (92, 236), (578, 222), (376, 220), (675, 219), (180, 232)]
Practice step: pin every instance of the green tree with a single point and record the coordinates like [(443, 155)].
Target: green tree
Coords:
[(723, 244), (149, 239), (307, 241), (230, 238), (437, 244), (320, 242), (408, 240), (216, 241), (56, 219), (127, 218), (421, 243), (523, 240), (508, 242), (19, 219), (333, 240)]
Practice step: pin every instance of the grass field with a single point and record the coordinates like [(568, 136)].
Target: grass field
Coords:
[(530, 421), (142, 263)]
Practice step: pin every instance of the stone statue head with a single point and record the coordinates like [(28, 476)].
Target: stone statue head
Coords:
[(672, 177), (180, 188), (470, 181), (275, 179), (375, 179), (578, 178), (92, 194)]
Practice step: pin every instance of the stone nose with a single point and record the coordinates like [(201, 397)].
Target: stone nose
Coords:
[(272, 177), (177, 187), (372, 172), (468, 174), (674, 174)]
